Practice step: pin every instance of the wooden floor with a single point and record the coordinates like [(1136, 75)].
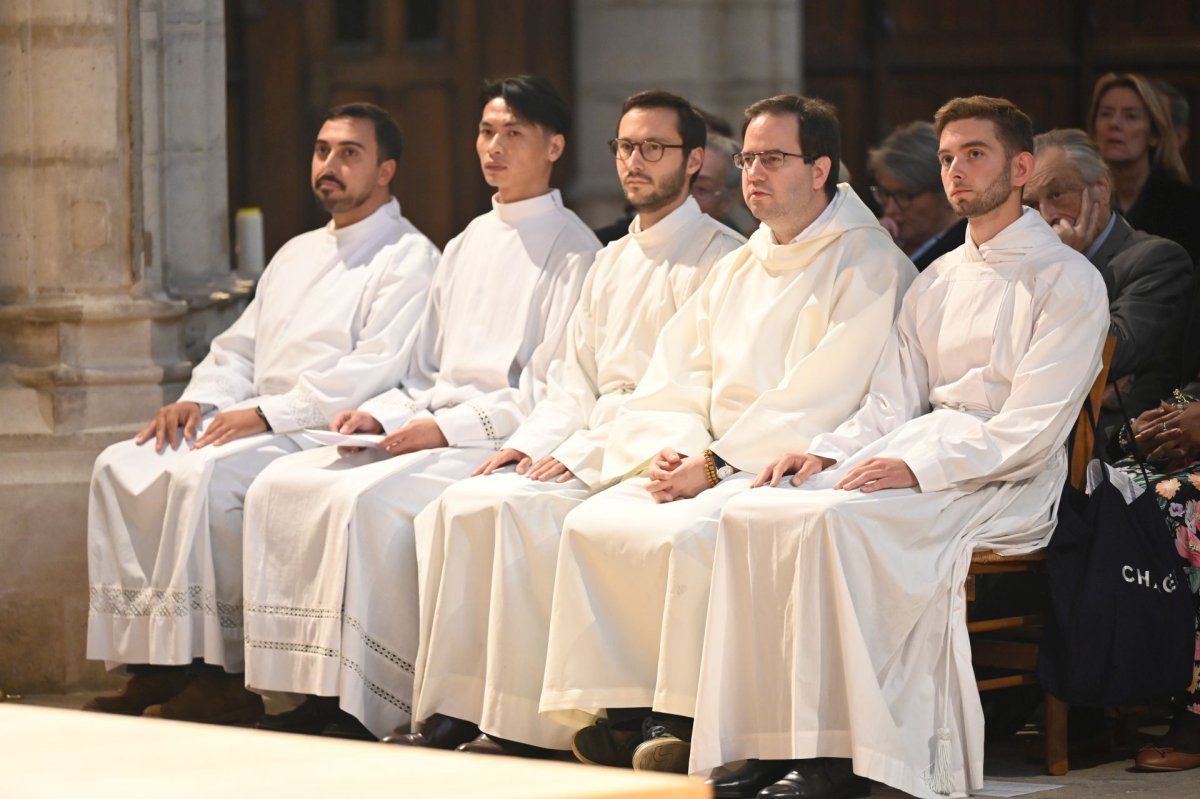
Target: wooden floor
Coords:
[(49, 753)]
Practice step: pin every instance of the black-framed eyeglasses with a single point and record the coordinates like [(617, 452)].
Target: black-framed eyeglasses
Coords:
[(770, 159), (902, 199), (649, 149)]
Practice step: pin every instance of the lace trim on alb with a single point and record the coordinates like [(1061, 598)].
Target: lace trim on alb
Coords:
[(489, 429), (134, 603), (286, 610), (302, 407), (312, 649)]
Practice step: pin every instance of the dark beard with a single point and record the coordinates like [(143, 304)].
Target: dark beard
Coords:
[(667, 192)]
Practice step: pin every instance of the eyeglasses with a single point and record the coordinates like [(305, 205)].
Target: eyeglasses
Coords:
[(649, 149), (902, 199), (770, 159)]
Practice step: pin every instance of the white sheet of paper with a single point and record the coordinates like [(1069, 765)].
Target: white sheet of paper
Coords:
[(1003, 788), (330, 438)]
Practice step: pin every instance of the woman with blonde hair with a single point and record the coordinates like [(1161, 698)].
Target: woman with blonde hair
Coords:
[(1132, 128)]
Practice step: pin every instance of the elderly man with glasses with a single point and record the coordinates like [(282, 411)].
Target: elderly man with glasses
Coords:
[(908, 190), (1149, 278), (776, 346)]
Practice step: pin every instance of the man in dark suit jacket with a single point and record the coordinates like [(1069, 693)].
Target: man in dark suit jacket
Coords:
[(1149, 278)]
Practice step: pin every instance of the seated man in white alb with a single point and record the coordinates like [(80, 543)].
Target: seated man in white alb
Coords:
[(836, 628), (331, 325), (487, 547), (331, 577), (776, 346)]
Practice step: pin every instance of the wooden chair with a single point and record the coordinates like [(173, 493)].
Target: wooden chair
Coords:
[(1010, 644)]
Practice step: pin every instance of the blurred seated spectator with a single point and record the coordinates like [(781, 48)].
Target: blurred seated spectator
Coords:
[(908, 188), (1130, 124), (1149, 278)]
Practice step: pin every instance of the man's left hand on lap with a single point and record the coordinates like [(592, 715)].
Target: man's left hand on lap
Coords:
[(230, 426), (417, 435), (875, 474)]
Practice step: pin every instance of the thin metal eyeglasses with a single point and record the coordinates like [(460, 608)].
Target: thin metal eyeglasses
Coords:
[(902, 199), (770, 159), (649, 149)]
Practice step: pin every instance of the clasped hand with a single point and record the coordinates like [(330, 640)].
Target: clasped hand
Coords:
[(674, 476), (1169, 433)]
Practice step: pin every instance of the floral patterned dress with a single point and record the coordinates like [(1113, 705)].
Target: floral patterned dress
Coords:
[(1179, 498)]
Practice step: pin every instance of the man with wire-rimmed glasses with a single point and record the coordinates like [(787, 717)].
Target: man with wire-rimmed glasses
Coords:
[(777, 345)]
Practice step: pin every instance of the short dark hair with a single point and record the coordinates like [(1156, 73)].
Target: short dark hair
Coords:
[(532, 98), (688, 121), (1013, 127), (388, 139), (820, 134)]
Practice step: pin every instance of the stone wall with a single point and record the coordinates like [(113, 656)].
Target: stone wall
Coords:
[(113, 251)]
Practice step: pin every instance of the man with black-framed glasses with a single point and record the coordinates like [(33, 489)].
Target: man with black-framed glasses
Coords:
[(908, 190), (777, 345)]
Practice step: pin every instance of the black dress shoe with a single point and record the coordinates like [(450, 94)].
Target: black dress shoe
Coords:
[(438, 732), (346, 726), (819, 778), (747, 781), (310, 718), (491, 745)]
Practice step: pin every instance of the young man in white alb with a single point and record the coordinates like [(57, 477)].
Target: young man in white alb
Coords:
[(332, 324), (836, 646), (331, 581)]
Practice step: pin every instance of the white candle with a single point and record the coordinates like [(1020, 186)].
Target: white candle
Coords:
[(249, 245)]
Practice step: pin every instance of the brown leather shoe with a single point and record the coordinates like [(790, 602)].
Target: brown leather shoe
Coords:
[(141, 691), (489, 745), (212, 699), (1165, 758), (438, 732)]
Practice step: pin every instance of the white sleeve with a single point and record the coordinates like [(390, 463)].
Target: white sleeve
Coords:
[(487, 420), (380, 355)]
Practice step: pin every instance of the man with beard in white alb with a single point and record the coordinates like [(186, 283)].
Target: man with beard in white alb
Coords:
[(777, 345), (331, 579), (331, 325), (487, 547), (836, 649)]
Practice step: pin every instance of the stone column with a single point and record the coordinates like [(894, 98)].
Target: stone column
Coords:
[(113, 231), (721, 54)]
